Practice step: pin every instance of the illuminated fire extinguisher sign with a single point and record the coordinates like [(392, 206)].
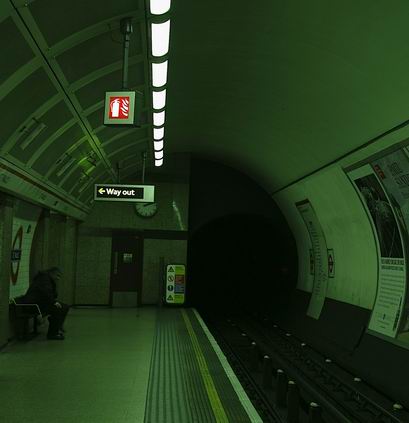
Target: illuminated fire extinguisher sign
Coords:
[(122, 108), (119, 107)]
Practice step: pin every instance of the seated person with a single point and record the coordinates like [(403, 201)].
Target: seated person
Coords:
[(43, 291)]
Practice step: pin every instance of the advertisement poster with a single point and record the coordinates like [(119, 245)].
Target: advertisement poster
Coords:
[(319, 250), (390, 296), (393, 172)]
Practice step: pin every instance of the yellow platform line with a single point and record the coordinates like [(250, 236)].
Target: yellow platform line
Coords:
[(215, 402)]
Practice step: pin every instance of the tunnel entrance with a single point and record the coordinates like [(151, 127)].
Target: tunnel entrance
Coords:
[(241, 263)]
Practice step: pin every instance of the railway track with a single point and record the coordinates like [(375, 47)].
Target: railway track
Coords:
[(247, 341)]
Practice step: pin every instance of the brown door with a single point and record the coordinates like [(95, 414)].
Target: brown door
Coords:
[(126, 269)]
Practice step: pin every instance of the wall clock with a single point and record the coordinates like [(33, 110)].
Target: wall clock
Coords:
[(146, 209)]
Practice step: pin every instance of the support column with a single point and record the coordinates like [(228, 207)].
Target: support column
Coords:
[(40, 246), (6, 233), (62, 253)]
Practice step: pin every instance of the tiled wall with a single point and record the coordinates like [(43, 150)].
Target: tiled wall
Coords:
[(69, 263), (25, 221), (6, 225), (94, 241), (55, 244), (93, 269)]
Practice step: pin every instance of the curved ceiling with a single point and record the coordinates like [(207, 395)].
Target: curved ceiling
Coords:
[(281, 88), (276, 89), (61, 58)]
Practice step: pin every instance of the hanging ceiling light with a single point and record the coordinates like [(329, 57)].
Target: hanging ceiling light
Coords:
[(159, 99), (159, 74), (158, 133), (158, 145), (159, 154), (160, 38), (159, 7), (159, 118)]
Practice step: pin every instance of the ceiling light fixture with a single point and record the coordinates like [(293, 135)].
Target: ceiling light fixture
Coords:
[(159, 154), (159, 118), (158, 145), (67, 165), (159, 74), (159, 99), (160, 38), (158, 133), (38, 127), (159, 7), (158, 163)]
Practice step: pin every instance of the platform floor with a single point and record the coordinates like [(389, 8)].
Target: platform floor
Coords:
[(162, 366)]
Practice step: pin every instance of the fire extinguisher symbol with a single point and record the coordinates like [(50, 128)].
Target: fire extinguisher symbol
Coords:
[(119, 108)]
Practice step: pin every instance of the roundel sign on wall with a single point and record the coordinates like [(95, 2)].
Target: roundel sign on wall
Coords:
[(16, 255)]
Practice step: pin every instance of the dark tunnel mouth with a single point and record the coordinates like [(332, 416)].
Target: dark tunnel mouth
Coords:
[(229, 252)]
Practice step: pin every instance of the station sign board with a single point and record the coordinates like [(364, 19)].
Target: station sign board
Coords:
[(127, 193), (175, 284), (16, 255), (122, 108)]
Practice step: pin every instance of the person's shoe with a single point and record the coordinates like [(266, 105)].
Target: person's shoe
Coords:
[(57, 337), (62, 330)]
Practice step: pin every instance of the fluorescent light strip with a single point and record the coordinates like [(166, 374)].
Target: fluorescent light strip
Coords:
[(33, 134), (67, 165), (158, 163), (158, 145), (159, 74), (158, 133), (159, 118), (160, 38), (159, 99), (159, 7), (158, 155)]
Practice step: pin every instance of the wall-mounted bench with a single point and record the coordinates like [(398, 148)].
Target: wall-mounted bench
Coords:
[(21, 314)]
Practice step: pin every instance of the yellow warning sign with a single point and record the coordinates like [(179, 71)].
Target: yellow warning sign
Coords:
[(180, 270), (175, 283), (179, 298)]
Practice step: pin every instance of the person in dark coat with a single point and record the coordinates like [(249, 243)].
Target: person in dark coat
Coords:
[(43, 291)]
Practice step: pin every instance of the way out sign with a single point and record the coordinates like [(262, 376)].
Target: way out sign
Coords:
[(128, 193), (122, 108), (175, 284)]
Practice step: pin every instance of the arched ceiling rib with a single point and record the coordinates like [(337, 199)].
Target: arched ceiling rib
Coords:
[(276, 89), (65, 65)]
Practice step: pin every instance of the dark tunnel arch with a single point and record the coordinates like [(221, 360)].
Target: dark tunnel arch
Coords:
[(242, 262)]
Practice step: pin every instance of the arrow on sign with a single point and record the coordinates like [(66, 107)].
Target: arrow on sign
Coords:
[(170, 297), (101, 191)]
